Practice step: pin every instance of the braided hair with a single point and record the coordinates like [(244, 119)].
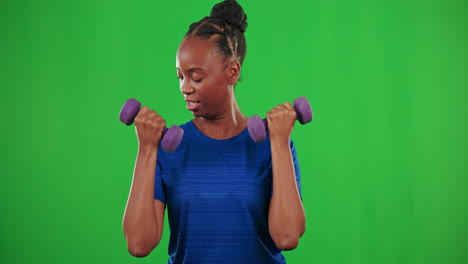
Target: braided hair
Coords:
[(227, 20)]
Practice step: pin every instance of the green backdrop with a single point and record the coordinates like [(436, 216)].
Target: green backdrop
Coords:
[(384, 167)]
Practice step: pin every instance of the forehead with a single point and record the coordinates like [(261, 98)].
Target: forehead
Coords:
[(197, 52)]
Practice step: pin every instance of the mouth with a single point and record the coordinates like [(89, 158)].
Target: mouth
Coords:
[(192, 105)]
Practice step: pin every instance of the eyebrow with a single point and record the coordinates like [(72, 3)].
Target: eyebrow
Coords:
[(193, 69)]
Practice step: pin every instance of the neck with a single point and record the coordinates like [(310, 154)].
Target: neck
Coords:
[(227, 124)]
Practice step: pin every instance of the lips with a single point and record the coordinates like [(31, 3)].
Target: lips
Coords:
[(192, 105)]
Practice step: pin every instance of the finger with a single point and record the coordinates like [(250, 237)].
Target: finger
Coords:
[(154, 117), (143, 110), (142, 114), (274, 113), (145, 115), (281, 107), (276, 108), (150, 114), (289, 106), (291, 109), (270, 113)]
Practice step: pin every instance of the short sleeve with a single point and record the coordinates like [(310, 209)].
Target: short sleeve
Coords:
[(159, 186), (297, 170)]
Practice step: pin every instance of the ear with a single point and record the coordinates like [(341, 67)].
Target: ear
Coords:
[(234, 72)]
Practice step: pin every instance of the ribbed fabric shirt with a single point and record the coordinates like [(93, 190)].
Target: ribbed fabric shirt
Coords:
[(217, 194)]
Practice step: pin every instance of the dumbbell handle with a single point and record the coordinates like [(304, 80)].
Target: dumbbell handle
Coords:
[(164, 131)]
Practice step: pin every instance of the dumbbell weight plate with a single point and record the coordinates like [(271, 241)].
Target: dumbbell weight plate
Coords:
[(172, 138), (257, 129), (303, 110), (129, 111)]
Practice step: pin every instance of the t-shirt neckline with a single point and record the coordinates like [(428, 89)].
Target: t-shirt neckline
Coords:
[(226, 140)]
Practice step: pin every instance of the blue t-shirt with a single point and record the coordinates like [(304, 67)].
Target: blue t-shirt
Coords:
[(217, 194)]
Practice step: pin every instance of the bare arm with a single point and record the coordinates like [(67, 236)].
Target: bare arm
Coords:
[(144, 216), (286, 213)]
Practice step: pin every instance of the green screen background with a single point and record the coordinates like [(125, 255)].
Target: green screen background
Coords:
[(384, 167)]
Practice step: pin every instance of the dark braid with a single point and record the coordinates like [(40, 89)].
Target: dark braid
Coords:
[(228, 20)]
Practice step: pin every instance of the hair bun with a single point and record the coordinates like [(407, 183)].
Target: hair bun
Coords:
[(232, 12)]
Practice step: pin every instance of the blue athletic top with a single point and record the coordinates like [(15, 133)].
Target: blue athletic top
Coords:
[(217, 194)]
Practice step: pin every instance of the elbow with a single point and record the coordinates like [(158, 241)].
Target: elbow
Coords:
[(288, 241), (287, 244), (139, 245), (139, 251)]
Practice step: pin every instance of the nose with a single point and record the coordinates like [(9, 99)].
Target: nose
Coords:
[(185, 87)]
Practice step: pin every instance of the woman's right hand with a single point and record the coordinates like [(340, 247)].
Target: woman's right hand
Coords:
[(149, 126)]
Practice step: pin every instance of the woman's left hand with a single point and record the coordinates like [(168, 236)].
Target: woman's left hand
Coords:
[(281, 121)]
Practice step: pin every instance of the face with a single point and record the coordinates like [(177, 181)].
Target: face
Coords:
[(204, 77)]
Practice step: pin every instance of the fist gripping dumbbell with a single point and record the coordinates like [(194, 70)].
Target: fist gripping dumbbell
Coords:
[(171, 137), (257, 127)]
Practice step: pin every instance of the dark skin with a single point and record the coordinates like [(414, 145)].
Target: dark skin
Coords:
[(207, 80)]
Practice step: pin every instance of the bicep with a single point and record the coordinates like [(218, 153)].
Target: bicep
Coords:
[(159, 201), (159, 209)]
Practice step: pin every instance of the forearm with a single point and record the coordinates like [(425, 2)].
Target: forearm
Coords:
[(140, 223), (286, 213)]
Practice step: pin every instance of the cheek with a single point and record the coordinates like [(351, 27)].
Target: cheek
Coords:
[(212, 88)]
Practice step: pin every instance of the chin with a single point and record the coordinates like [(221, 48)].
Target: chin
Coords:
[(197, 114), (200, 114)]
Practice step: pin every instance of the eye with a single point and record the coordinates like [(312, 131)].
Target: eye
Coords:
[(198, 81), (180, 78)]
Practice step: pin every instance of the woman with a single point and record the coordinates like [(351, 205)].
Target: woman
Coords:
[(229, 200)]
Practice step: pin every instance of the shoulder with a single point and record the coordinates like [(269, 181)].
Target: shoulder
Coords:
[(186, 125)]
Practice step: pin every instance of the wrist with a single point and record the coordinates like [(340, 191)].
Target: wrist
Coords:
[(147, 149), (278, 140)]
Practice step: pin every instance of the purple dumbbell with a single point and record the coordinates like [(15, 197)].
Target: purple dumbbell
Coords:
[(257, 127), (171, 137)]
